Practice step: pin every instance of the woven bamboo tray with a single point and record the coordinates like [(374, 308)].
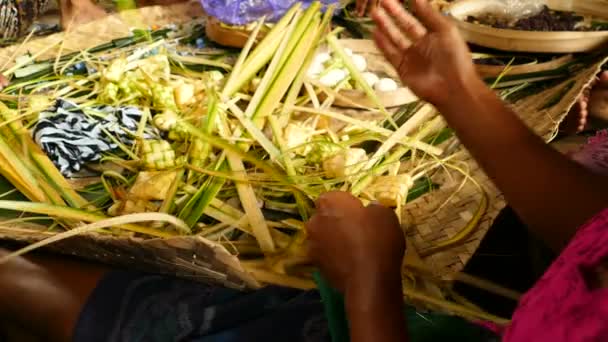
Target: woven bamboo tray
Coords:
[(198, 259), (233, 37), (531, 41), (497, 70), (376, 63)]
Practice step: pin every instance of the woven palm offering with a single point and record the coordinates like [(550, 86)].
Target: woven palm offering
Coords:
[(144, 149)]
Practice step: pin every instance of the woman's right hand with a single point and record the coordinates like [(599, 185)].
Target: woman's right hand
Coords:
[(353, 244), (359, 249), (429, 54)]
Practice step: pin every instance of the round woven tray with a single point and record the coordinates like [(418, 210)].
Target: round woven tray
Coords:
[(531, 41), (226, 36), (377, 64)]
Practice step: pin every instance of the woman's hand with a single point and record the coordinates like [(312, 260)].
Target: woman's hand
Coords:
[(365, 6), (351, 243), (429, 54), (360, 250)]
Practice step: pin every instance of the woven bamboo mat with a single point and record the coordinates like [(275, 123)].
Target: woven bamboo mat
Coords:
[(428, 223), (185, 257), (112, 27), (430, 219)]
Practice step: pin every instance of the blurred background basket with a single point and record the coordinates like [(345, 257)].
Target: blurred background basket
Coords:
[(531, 41)]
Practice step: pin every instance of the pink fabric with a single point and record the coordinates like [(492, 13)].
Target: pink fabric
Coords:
[(561, 306), (594, 154)]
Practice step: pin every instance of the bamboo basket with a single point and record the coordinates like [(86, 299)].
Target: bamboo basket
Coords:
[(376, 63), (497, 70), (233, 37), (431, 218), (237, 37), (531, 41)]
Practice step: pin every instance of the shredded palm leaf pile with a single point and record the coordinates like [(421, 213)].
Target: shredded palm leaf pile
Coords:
[(232, 150), (238, 150)]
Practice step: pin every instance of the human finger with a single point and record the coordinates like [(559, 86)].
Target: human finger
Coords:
[(392, 54), (429, 17), (405, 21), (361, 7), (313, 251), (387, 26), (338, 205), (382, 214), (373, 4), (313, 225)]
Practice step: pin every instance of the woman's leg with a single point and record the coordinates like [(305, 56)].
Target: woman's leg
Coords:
[(46, 293)]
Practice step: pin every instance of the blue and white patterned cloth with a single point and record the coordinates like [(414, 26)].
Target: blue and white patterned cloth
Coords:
[(71, 138)]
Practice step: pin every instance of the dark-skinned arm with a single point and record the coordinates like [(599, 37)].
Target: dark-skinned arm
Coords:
[(374, 307), (359, 251), (552, 194)]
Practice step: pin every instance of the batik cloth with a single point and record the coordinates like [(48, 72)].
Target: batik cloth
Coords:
[(72, 137), (16, 16)]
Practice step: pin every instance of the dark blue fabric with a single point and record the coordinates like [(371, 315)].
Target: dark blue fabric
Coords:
[(137, 307), (128, 306)]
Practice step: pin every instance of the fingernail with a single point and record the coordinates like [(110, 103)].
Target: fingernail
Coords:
[(324, 208), (321, 205)]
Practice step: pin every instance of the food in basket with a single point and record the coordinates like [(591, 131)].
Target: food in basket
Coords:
[(546, 20), (330, 70)]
